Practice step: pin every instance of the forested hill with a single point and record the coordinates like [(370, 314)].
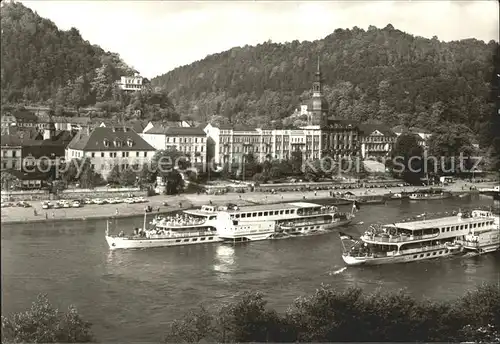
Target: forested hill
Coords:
[(41, 63), (376, 75)]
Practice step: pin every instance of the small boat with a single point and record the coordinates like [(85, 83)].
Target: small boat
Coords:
[(429, 194)]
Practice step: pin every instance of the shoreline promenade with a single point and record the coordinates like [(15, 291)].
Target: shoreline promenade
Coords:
[(12, 215)]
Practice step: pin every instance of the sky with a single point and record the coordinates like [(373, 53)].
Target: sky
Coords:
[(155, 37)]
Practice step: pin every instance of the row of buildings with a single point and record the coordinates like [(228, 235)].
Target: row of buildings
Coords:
[(106, 144)]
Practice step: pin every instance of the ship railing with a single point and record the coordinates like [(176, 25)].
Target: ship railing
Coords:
[(180, 235), (317, 212), (180, 223), (397, 239), (424, 248)]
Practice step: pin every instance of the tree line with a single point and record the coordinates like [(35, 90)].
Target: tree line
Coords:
[(328, 315)]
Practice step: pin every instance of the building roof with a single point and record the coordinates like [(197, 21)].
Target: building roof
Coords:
[(260, 207), (176, 131), (138, 126), (110, 139), (11, 141), (34, 175), (368, 129), (25, 116), (402, 128)]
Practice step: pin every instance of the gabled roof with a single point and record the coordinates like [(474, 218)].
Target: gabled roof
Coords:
[(402, 128), (110, 139), (368, 129)]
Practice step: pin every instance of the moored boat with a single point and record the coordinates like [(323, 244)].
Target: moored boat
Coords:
[(169, 231), (412, 241), (429, 194)]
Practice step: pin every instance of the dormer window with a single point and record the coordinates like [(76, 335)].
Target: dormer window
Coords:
[(106, 143), (130, 143), (117, 143)]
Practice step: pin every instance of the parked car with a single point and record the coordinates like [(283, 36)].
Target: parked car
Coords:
[(46, 205), (76, 204), (23, 204)]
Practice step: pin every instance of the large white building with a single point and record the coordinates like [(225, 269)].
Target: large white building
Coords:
[(192, 142), (110, 146)]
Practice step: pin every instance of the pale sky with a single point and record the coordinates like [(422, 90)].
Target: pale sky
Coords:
[(157, 36)]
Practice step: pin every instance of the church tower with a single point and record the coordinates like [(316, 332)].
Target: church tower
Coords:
[(318, 106), (50, 130)]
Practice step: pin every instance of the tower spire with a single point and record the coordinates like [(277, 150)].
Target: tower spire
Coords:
[(318, 71)]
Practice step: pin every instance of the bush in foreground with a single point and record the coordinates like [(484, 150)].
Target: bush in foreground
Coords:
[(345, 316), (43, 323)]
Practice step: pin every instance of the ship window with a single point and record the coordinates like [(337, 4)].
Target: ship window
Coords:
[(428, 254), (210, 238), (237, 215), (433, 253), (281, 212), (421, 255), (202, 239), (254, 214), (445, 251), (212, 218), (195, 239), (185, 240), (265, 213), (442, 230), (462, 227), (178, 240), (440, 252), (415, 256), (260, 213), (287, 211), (243, 215)]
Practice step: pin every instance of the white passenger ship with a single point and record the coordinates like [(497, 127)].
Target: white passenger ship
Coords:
[(289, 218), (168, 231), (413, 241), (483, 239)]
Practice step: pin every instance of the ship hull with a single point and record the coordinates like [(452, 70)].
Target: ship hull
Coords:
[(401, 258), (116, 243), (244, 237)]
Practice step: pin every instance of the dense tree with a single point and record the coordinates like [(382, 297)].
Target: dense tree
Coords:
[(350, 315), (41, 64), (43, 323), (407, 158)]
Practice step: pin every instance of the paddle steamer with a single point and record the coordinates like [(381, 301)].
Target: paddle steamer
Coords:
[(414, 241), (483, 239)]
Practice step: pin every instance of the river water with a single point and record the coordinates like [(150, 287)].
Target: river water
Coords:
[(133, 295)]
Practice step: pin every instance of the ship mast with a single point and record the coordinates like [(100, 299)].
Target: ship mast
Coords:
[(144, 223)]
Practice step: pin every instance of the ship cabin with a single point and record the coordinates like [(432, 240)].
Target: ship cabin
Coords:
[(446, 227), (267, 212)]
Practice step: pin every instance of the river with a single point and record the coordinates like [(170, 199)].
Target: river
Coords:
[(133, 295)]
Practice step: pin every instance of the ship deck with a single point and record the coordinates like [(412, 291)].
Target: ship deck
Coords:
[(439, 222), (260, 207)]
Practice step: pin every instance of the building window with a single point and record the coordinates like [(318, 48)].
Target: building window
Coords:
[(137, 154), (106, 143), (93, 155), (145, 154), (102, 154), (14, 154)]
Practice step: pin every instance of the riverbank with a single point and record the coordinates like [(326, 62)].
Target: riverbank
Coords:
[(13, 215)]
